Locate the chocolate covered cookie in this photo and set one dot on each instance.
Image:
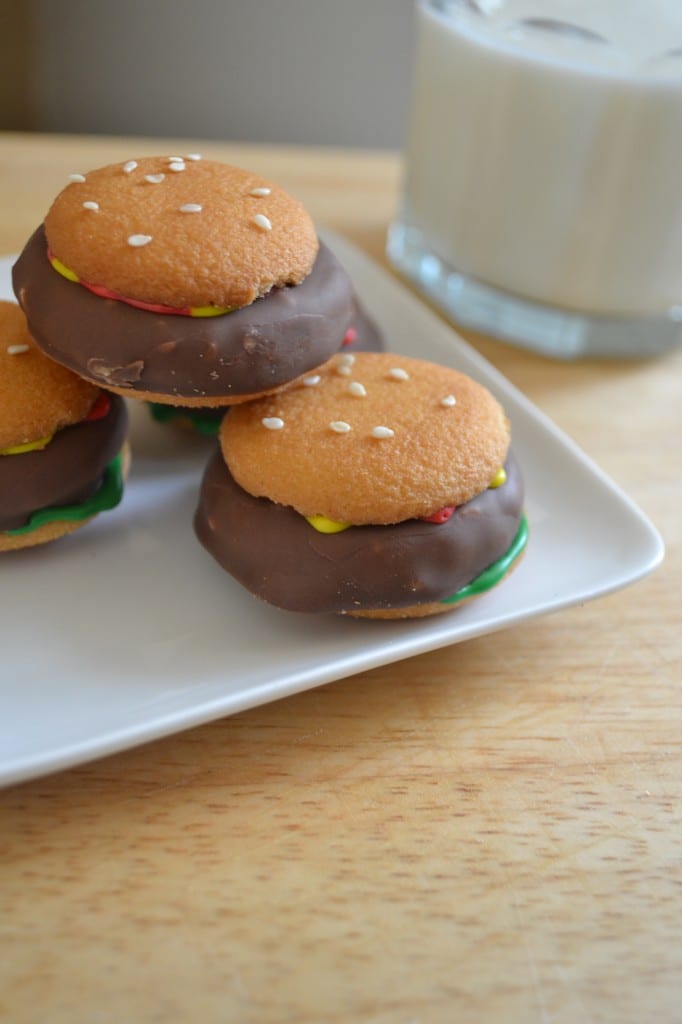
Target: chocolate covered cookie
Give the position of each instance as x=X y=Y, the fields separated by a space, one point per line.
x=182 y=281
x=380 y=486
x=62 y=442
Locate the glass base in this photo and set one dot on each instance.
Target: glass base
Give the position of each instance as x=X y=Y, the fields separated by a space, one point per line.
x=546 y=329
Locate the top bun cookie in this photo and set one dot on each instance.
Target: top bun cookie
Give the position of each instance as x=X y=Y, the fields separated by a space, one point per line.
x=181 y=232
x=374 y=438
x=37 y=396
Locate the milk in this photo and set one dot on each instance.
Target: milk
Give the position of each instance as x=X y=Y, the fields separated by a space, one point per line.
x=545 y=149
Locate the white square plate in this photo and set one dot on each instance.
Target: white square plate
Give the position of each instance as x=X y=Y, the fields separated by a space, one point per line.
x=127 y=630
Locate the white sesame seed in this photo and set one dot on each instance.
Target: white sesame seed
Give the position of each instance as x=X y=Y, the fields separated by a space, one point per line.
x=190 y=208
x=397 y=373
x=176 y=159
x=311 y=382
x=357 y=389
x=77 y=177
x=138 y=240
x=16 y=350
x=448 y=400
x=176 y=167
x=260 y=192
x=272 y=422
x=343 y=370
x=91 y=205
x=339 y=427
x=154 y=179
x=346 y=358
x=194 y=156
x=261 y=221
x=130 y=166
x=382 y=432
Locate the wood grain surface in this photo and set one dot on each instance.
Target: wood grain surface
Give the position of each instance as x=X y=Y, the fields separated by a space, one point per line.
x=490 y=832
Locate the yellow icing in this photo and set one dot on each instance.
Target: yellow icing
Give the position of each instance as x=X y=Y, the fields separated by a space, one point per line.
x=208 y=310
x=62 y=269
x=325 y=525
x=28 y=446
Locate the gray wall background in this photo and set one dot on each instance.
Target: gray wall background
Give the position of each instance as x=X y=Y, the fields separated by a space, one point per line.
x=331 y=72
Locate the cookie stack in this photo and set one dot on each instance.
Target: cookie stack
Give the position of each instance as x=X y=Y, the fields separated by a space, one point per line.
x=63 y=451
x=345 y=480
x=215 y=286
x=380 y=487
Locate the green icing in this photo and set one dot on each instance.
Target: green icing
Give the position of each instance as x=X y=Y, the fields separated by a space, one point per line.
x=108 y=496
x=202 y=423
x=494 y=573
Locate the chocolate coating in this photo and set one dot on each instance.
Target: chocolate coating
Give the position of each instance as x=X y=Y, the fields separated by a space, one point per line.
x=67 y=471
x=277 y=555
x=207 y=419
x=258 y=348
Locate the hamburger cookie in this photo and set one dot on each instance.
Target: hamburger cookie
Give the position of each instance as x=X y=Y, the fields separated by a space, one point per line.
x=182 y=281
x=381 y=486
x=62 y=442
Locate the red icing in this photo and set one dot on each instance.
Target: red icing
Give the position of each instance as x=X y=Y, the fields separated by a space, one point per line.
x=100 y=409
x=350 y=336
x=441 y=516
x=151 y=307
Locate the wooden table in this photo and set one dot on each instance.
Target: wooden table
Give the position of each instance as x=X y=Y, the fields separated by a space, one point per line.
x=490 y=832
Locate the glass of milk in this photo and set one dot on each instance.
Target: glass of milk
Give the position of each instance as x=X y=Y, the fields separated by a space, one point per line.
x=542 y=199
